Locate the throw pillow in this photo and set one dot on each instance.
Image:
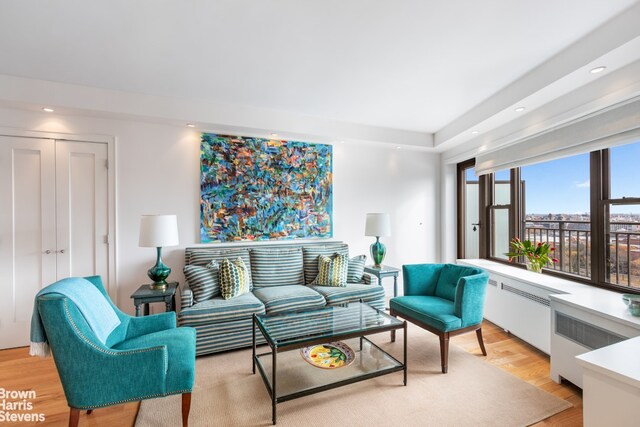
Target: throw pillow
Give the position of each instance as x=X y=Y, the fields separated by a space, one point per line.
x=356 y=268
x=332 y=271
x=234 y=278
x=203 y=281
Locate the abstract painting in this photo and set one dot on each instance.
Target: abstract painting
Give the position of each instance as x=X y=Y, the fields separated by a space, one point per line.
x=264 y=189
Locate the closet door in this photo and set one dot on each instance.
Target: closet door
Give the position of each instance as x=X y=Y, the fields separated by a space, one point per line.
x=27 y=231
x=82 y=209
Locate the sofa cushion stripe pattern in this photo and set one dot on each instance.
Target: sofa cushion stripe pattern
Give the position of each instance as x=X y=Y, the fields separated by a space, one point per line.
x=203 y=281
x=356 y=268
x=186 y=297
x=277 y=299
x=217 y=337
x=218 y=310
x=353 y=292
x=277 y=267
x=202 y=257
x=311 y=255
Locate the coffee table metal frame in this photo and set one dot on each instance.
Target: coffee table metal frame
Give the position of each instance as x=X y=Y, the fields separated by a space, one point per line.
x=314 y=340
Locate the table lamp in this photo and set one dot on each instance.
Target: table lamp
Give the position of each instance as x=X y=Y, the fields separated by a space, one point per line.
x=378 y=225
x=157 y=231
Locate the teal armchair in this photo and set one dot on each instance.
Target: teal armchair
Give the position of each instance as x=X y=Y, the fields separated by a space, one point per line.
x=143 y=358
x=445 y=299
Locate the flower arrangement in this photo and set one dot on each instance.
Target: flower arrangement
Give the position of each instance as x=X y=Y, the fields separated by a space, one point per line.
x=536 y=255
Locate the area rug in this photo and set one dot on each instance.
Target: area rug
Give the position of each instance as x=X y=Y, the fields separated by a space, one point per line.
x=472 y=393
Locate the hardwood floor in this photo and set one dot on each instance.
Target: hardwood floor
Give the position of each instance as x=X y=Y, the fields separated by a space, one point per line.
x=19 y=371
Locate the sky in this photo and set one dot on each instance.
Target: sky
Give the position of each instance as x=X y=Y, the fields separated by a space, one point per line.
x=562 y=185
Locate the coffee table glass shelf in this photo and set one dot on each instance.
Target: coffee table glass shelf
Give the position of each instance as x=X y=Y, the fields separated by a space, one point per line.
x=287 y=333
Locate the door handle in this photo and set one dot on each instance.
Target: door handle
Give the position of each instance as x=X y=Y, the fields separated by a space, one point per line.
x=47 y=252
x=474 y=226
x=61 y=251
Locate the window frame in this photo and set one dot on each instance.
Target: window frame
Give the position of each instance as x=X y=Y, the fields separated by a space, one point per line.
x=600 y=201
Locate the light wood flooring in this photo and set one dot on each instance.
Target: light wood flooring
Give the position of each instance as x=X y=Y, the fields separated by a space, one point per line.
x=19 y=371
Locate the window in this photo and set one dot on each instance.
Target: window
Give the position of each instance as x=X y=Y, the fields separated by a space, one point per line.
x=622 y=217
x=501 y=214
x=586 y=206
x=556 y=206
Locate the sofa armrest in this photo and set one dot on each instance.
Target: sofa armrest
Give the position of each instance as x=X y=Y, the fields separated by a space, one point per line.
x=369 y=279
x=469 y=300
x=186 y=296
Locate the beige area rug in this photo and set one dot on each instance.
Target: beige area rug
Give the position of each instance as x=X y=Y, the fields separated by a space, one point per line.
x=473 y=393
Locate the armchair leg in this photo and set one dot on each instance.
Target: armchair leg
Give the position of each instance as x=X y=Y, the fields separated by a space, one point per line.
x=444 y=351
x=481 y=341
x=186 y=407
x=74 y=417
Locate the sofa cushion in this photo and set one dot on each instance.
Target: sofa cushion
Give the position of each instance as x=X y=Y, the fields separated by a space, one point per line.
x=278 y=299
x=448 y=280
x=203 y=281
x=276 y=267
x=234 y=278
x=353 y=292
x=202 y=257
x=433 y=311
x=356 y=268
x=221 y=310
x=332 y=271
x=311 y=254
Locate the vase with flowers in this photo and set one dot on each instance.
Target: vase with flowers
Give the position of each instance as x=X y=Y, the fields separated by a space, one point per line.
x=535 y=255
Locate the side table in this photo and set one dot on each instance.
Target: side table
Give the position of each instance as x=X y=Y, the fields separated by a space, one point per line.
x=385 y=271
x=145 y=295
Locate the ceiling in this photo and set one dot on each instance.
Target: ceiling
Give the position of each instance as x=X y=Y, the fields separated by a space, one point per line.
x=408 y=65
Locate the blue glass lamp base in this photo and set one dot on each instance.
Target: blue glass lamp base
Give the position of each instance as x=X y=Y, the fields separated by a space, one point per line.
x=378 y=252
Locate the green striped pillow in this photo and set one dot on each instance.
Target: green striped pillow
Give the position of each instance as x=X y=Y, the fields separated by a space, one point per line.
x=311 y=257
x=332 y=271
x=234 y=278
x=356 y=268
x=203 y=281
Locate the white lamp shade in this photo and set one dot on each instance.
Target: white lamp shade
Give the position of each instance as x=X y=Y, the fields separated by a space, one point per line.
x=158 y=231
x=378 y=225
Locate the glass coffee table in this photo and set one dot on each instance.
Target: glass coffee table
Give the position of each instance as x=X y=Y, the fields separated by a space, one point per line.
x=287 y=375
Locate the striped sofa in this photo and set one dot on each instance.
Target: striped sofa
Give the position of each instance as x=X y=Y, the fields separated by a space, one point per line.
x=281 y=276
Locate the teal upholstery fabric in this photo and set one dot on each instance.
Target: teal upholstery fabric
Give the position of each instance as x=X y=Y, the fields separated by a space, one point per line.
x=353 y=292
x=158 y=360
x=278 y=299
x=277 y=267
x=444 y=296
x=433 y=311
x=420 y=279
x=218 y=309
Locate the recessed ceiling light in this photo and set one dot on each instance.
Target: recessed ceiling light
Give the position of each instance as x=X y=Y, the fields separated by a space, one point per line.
x=47 y=109
x=598 y=69
x=519 y=109
x=191 y=125
x=398 y=148
x=274 y=135
x=341 y=142
x=475 y=132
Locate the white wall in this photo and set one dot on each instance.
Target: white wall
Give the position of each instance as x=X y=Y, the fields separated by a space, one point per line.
x=158 y=172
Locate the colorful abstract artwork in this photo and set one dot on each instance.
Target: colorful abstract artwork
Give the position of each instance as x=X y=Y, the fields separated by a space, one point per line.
x=262 y=189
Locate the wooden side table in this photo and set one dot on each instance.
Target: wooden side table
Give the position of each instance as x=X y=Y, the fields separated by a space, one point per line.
x=145 y=295
x=385 y=271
